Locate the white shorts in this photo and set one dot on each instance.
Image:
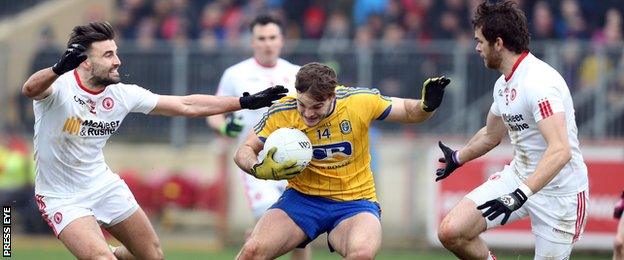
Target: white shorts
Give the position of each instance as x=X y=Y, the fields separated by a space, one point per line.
x=559 y=219
x=109 y=205
x=261 y=194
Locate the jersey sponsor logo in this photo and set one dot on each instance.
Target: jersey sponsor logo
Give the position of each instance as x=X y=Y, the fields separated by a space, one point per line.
x=108 y=103
x=345 y=127
x=72 y=125
x=77 y=126
x=332 y=151
x=89 y=104
x=515 y=122
x=99 y=128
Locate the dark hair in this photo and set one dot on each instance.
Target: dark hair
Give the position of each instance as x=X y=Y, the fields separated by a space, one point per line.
x=90 y=33
x=319 y=80
x=265 y=19
x=505 y=20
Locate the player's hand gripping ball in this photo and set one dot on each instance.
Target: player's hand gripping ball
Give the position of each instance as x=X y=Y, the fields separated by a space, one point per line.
x=286 y=153
x=292 y=144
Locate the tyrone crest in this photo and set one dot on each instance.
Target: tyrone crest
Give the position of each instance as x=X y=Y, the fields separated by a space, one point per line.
x=108 y=103
x=345 y=127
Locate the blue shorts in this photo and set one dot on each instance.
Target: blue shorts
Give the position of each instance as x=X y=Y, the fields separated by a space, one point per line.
x=316 y=215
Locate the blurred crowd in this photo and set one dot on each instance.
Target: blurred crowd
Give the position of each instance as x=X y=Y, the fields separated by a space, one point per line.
x=216 y=22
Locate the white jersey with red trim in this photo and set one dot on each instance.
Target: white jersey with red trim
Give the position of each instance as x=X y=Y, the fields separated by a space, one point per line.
x=535 y=91
x=250 y=76
x=72 y=126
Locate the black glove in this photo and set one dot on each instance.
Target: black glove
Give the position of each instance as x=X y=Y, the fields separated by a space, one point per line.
x=503 y=205
x=450 y=158
x=433 y=92
x=619 y=208
x=232 y=126
x=73 y=56
x=262 y=98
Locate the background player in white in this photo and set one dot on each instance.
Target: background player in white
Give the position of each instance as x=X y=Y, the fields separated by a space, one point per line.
x=547 y=178
x=264 y=69
x=79 y=103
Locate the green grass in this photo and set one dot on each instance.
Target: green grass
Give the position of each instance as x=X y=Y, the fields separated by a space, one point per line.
x=50 y=248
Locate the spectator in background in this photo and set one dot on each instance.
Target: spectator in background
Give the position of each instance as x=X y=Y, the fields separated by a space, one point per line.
x=146 y=33
x=452 y=20
x=393 y=12
x=610 y=36
x=313 y=22
x=210 y=21
x=363 y=9
x=337 y=35
x=571 y=58
x=542 y=27
x=417 y=19
x=572 y=23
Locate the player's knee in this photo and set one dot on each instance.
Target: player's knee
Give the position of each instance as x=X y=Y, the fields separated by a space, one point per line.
x=362 y=254
x=448 y=233
x=252 y=250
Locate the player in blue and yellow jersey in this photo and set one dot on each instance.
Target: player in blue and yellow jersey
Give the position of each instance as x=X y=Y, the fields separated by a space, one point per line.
x=336 y=192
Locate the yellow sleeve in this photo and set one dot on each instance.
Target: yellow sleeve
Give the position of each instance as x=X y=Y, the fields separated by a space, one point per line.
x=372 y=104
x=273 y=119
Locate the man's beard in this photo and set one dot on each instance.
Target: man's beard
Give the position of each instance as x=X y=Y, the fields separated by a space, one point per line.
x=102 y=81
x=494 y=60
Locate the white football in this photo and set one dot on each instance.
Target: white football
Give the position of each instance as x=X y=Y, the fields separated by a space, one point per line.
x=292 y=144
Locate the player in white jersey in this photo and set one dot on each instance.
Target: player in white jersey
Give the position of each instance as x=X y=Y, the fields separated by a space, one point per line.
x=79 y=103
x=547 y=178
x=265 y=68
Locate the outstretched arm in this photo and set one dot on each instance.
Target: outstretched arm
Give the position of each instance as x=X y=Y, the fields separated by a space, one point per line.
x=195 y=105
x=416 y=111
x=484 y=140
x=407 y=111
x=207 y=105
